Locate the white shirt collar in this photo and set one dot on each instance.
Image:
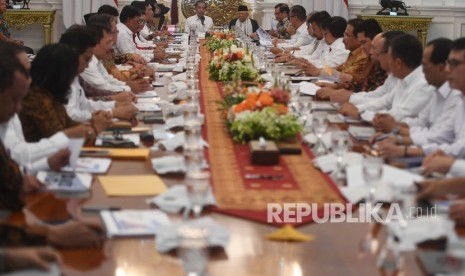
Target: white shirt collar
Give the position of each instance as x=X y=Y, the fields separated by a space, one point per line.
x=414 y=75
x=302 y=28
x=445 y=90
x=3 y=129
x=124 y=28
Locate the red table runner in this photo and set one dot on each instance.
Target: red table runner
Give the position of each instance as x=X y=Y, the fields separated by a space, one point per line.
x=229 y=162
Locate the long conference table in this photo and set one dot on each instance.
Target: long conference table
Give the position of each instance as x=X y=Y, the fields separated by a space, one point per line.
x=334 y=251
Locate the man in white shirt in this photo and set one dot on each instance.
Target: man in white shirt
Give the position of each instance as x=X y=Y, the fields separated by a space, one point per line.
x=199 y=22
x=129 y=26
x=96 y=74
x=79 y=108
x=378 y=52
x=455 y=68
x=411 y=93
x=434 y=123
x=48 y=153
x=314 y=29
x=334 y=54
x=297 y=18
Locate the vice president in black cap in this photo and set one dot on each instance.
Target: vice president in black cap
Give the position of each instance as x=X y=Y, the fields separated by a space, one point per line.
x=244 y=23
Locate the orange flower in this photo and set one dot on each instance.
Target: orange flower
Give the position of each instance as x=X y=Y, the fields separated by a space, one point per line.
x=240 y=107
x=282 y=109
x=252 y=96
x=265 y=99
x=240 y=54
x=251 y=103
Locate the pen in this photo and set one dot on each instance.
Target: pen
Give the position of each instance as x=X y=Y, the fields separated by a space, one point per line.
x=381 y=137
x=98 y=208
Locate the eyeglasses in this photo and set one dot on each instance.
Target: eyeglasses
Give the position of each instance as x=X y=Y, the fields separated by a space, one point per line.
x=454 y=63
x=290 y=16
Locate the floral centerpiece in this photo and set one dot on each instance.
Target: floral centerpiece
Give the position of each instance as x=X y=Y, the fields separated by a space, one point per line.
x=254 y=112
x=220 y=40
x=232 y=63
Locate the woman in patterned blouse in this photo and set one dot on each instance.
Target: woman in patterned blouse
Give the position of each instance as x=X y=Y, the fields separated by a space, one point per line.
x=44 y=114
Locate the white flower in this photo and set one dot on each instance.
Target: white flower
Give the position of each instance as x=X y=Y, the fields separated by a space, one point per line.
x=247 y=59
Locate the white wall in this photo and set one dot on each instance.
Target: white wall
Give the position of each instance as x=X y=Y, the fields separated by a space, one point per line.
x=449 y=16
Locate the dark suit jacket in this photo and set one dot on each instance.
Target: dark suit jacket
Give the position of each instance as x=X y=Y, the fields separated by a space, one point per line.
x=255 y=26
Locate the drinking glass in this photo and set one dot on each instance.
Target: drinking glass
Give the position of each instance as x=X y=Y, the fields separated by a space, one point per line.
x=193 y=155
x=320 y=124
x=390 y=260
x=305 y=105
x=198 y=183
x=340 y=145
x=372 y=173
x=455 y=257
x=193 y=249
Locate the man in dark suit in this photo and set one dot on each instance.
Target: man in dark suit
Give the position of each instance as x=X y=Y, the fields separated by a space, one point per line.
x=244 y=23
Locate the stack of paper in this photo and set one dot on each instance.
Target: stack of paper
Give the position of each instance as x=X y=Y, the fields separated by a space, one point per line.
x=132 y=185
x=357 y=188
x=90 y=165
x=134 y=222
x=133 y=137
x=68 y=182
x=324 y=106
x=147 y=94
x=308 y=88
x=361 y=133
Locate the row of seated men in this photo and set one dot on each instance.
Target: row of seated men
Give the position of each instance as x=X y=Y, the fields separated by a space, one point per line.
x=72 y=89
x=413 y=97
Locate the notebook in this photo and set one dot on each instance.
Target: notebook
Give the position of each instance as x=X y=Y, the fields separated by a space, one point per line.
x=132 y=185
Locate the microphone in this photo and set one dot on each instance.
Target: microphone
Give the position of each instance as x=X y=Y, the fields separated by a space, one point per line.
x=202 y=19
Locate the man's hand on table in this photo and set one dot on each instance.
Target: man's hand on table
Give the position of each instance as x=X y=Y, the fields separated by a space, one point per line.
x=384 y=122
x=348 y=109
x=325 y=93
x=139 y=85
x=75 y=234
x=123 y=98
x=342 y=96
x=439 y=163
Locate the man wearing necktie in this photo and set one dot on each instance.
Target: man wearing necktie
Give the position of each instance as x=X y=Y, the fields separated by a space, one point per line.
x=199 y=22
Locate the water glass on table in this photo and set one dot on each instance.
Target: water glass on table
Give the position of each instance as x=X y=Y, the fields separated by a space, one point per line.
x=340 y=145
x=320 y=124
x=197 y=183
x=193 y=249
x=372 y=173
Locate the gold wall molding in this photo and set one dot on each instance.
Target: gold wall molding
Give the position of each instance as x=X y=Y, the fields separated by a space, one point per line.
x=420 y=24
x=20 y=19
